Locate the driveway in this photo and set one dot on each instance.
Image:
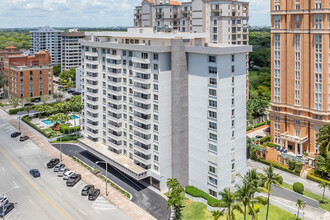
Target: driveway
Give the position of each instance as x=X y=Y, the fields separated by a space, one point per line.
x=144 y=197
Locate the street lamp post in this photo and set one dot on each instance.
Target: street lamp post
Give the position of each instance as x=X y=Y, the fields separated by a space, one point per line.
x=106 y=176
x=3 y=201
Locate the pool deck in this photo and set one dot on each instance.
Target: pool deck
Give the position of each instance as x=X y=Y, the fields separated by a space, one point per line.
x=38 y=122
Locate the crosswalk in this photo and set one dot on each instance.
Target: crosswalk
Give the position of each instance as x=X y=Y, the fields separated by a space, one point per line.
x=102 y=204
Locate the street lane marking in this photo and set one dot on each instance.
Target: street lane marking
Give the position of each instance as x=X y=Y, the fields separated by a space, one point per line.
x=82 y=211
x=3 y=168
x=58 y=192
x=32 y=202
x=34 y=186
x=15 y=184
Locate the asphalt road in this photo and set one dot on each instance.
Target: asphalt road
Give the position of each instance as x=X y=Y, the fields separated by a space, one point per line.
x=46 y=197
x=293 y=196
x=144 y=197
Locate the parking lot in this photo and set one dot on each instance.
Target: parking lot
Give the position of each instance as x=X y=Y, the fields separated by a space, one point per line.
x=45 y=197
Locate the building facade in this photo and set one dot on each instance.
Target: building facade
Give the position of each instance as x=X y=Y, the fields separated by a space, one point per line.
x=300 y=98
x=169 y=105
x=29 y=76
x=11 y=50
x=71 y=49
x=47 y=38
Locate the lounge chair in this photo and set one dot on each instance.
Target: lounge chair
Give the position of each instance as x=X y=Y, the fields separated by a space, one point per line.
x=282 y=150
x=286 y=151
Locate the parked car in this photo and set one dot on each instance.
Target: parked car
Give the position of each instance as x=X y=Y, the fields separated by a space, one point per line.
x=76 y=93
x=3 y=200
x=67 y=174
x=53 y=162
x=15 y=134
x=75 y=178
x=70 y=91
x=87 y=189
x=35 y=173
x=258 y=136
x=7 y=208
x=24 y=138
x=93 y=194
x=58 y=167
x=28 y=104
x=267 y=129
x=61 y=172
x=36 y=100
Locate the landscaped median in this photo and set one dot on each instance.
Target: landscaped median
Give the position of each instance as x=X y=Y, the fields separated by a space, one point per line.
x=121 y=190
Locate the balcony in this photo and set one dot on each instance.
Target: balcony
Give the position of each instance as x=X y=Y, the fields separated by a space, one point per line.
x=140 y=60
x=146 y=159
x=114 y=57
x=140 y=70
x=114 y=65
x=92 y=54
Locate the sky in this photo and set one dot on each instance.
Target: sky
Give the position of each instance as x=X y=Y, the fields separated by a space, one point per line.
x=91 y=13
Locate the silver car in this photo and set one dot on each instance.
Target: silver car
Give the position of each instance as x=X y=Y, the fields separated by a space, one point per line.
x=61 y=172
x=58 y=167
x=67 y=174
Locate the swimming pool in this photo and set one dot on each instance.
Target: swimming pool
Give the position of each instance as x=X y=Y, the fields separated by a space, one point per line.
x=47 y=122
x=74 y=117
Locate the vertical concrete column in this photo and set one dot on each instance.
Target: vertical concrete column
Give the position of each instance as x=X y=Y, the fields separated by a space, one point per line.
x=301 y=148
x=286 y=144
x=295 y=148
x=179 y=114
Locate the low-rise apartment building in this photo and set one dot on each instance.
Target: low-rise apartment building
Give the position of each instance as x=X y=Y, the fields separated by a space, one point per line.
x=71 y=49
x=166 y=105
x=29 y=76
x=10 y=50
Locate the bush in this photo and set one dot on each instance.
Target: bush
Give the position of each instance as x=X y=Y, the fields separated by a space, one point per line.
x=195 y=192
x=317 y=179
x=278 y=166
x=256 y=209
x=298 y=187
x=265 y=139
x=14 y=111
x=27 y=121
x=298 y=167
x=68 y=130
x=291 y=165
x=280 y=180
x=256 y=126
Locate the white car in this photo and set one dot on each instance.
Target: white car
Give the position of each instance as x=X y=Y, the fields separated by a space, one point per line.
x=67 y=175
x=61 y=172
x=3 y=200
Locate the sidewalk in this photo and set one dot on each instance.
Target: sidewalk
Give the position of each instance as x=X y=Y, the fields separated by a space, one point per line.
x=115 y=197
x=289 y=178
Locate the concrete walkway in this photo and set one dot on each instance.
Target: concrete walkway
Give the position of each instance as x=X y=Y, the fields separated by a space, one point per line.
x=289 y=178
x=114 y=196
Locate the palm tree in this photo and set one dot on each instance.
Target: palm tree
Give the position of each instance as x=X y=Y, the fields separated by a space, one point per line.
x=229 y=201
x=44 y=98
x=28 y=109
x=301 y=205
x=269 y=179
x=14 y=102
x=217 y=214
x=324 y=186
x=323 y=139
x=175 y=197
x=41 y=109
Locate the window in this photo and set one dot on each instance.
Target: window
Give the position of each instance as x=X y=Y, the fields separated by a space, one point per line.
x=155 y=168
x=297 y=133
x=232 y=58
x=155 y=137
x=212 y=125
x=155 y=76
x=156 y=127
x=156 y=117
x=156 y=97
x=212 y=193
x=212 y=92
x=212 y=147
x=232 y=112
x=297 y=21
x=155 y=107
x=155 y=158
x=213 y=81
x=155 y=87
x=232 y=123
x=155 y=56
x=213 y=181
x=212 y=59
x=156 y=147
x=277 y=21
x=213 y=103
x=232 y=79
x=213 y=70
x=318 y=21
x=232 y=101
x=156 y=67
x=233 y=166
x=297 y=122
x=212 y=114
x=213 y=136
x=212 y=169
x=233 y=69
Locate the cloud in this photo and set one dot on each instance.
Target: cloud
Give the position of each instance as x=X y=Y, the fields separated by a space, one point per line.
x=88 y=13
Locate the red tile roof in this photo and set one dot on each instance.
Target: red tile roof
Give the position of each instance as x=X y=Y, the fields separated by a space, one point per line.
x=175 y=3
x=11 y=47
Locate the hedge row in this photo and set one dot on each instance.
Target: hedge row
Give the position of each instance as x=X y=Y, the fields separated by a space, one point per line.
x=15 y=111
x=195 y=192
x=278 y=166
x=69 y=130
x=27 y=121
x=258 y=125
x=318 y=179
x=69 y=138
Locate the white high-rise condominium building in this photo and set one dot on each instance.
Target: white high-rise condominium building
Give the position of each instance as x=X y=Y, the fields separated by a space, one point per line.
x=225 y=20
x=71 y=49
x=47 y=38
x=166 y=105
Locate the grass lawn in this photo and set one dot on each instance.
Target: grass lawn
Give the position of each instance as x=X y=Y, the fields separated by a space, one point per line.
x=325 y=206
x=197 y=210
x=56 y=133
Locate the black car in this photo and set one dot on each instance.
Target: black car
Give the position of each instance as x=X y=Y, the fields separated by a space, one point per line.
x=24 y=138
x=75 y=178
x=28 y=104
x=35 y=173
x=70 y=91
x=93 y=194
x=53 y=162
x=6 y=209
x=87 y=189
x=15 y=134
x=37 y=100
x=259 y=136
x=76 y=93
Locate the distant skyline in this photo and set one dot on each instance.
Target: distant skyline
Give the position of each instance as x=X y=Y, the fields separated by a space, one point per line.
x=91 y=13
